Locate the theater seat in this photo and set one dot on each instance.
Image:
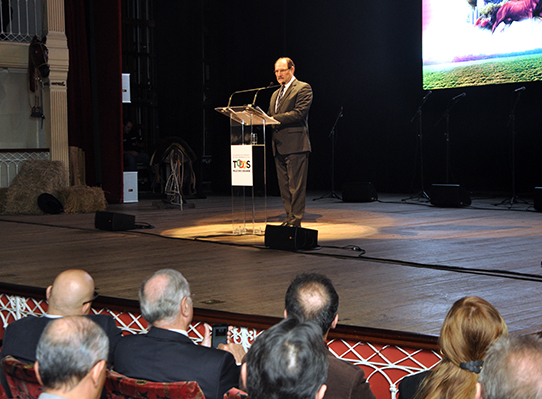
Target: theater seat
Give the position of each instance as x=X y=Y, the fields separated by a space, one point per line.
x=235 y=393
x=119 y=386
x=21 y=378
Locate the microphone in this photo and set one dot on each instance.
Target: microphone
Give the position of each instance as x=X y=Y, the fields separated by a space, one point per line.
x=251 y=90
x=427 y=95
x=341 y=112
x=459 y=96
x=520 y=89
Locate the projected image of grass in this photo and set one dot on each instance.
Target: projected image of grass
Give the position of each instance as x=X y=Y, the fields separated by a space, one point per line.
x=517 y=69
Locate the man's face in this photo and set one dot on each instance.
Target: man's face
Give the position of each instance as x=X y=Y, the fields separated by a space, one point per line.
x=283 y=74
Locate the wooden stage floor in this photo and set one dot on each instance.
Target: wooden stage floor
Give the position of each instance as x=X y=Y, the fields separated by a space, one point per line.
x=419 y=258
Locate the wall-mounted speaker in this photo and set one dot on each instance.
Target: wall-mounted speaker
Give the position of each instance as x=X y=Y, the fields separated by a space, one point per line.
x=449 y=195
x=359 y=192
x=114 y=221
x=290 y=238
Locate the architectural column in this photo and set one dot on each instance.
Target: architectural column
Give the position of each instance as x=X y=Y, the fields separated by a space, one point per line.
x=55 y=87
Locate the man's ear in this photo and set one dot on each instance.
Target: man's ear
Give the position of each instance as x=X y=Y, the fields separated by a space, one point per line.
x=335 y=321
x=37 y=371
x=96 y=372
x=48 y=292
x=185 y=306
x=86 y=308
x=285 y=314
x=321 y=392
x=478 y=394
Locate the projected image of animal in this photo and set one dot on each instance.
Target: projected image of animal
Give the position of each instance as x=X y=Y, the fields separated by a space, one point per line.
x=493 y=14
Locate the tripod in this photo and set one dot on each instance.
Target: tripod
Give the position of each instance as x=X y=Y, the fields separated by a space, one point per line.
x=514 y=199
x=422 y=193
x=332 y=136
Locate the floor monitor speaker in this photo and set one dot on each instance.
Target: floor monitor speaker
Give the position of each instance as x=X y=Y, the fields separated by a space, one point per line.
x=538 y=198
x=449 y=195
x=359 y=192
x=114 y=221
x=290 y=238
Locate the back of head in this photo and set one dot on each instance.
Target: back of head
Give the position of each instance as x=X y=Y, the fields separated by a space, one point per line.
x=70 y=290
x=312 y=297
x=161 y=294
x=68 y=348
x=287 y=361
x=513 y=369
x=470 y=326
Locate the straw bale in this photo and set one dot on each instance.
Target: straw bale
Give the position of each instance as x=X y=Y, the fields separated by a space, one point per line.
x=34 y=178
x=3 y=194
x=82 y=199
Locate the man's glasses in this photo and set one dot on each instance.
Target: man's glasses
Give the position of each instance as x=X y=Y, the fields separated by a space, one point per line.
x=96 y=295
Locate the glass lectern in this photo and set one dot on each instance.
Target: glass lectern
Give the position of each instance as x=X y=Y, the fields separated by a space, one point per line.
x=248 y=167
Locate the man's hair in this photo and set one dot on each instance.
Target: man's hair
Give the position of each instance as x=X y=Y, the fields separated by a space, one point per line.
x=287 y=361
x=68 y=349
x=311 y=296
x=288 y=60
x=513 y=369
x=162 y=301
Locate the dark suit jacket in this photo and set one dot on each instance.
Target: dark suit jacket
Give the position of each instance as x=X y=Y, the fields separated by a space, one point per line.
x=167 y=356
x=21 y=336
x=346 y=381
x=292 y=135
x=410 y=384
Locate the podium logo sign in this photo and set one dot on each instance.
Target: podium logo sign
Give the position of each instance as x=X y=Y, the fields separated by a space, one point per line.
x=241 y=165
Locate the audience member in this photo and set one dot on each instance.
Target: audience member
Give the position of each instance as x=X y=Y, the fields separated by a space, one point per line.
x=512 y=369
x=166 y=353
x=72 y=359
x=71 y=294
x=470 y=326
x=312 y=297
x=287 y=361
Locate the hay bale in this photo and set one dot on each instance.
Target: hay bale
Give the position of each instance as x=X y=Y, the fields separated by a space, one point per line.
x=82 y=199
x=3 y=194
x=34 y=178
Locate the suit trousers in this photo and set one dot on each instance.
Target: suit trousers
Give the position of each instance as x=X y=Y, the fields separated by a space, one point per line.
x=292 y=170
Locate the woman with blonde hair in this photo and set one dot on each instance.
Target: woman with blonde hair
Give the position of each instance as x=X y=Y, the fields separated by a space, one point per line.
x=470 y=326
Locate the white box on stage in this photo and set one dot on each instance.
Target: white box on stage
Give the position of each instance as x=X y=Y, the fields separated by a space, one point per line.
x=130 y=187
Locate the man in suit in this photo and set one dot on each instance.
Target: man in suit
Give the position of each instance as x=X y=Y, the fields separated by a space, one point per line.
x=512 y=369
x=312 y=297
x=291 y=145
x=166 y=353
x=289 y=360
x=71 y=294
x=72 y=359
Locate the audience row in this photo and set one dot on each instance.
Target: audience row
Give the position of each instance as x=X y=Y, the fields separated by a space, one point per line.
x=70 y=348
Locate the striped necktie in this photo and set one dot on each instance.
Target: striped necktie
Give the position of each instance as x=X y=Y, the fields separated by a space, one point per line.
x=279 y=99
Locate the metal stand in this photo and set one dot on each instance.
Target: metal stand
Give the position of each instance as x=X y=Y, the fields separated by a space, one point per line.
x=514 y=199
x=422 y=193
x=332 y=136
x=446 y=116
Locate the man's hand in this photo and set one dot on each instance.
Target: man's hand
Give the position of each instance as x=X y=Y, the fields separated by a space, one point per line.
x=207 y=340
x=236 y=350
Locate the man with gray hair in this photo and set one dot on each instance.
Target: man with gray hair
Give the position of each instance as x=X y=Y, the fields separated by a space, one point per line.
x=512 y=369
x=166 y=353
x=72 y=359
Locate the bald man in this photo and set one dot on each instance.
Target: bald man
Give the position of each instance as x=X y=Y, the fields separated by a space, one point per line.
x=71 y=294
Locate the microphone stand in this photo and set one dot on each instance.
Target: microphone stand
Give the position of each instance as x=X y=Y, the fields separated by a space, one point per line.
x=512 y=123
x=446 y=115
x=271 y=86
x=332 y=136
x=422 y=193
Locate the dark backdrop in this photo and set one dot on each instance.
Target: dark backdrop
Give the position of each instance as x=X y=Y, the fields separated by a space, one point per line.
x=362 y=55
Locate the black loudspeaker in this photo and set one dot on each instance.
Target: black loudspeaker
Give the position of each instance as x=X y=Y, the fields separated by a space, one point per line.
x=538 y=198
x=359 y=192
x=114 y=221
x=290 y=238
x=449 y=195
